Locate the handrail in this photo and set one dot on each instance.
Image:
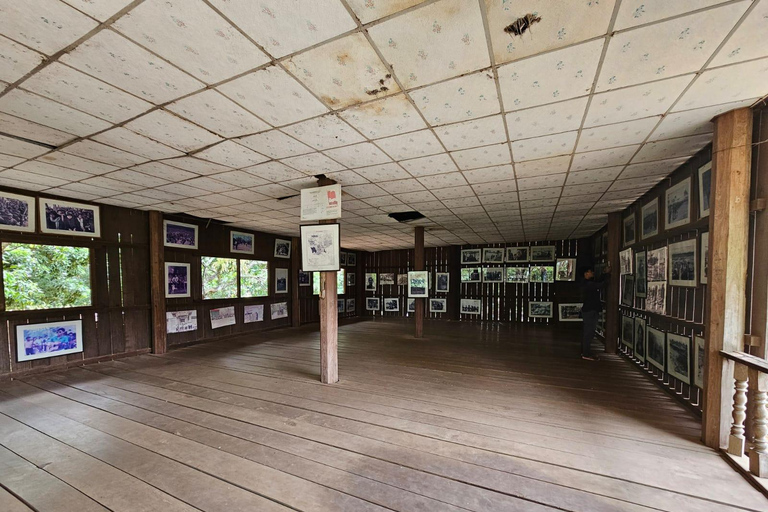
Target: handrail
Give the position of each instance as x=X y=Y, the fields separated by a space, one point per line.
x=748 y=360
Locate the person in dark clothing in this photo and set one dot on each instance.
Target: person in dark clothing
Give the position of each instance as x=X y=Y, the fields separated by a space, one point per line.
x=590 y=311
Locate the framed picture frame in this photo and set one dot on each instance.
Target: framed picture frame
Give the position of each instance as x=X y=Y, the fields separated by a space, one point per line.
x=679 y=357
x=656 y=298
x=655 y=347
x=493 y=255
x=699 y=354
x=641 y=277
x=69 y=218
x=442 y=282
x=320 y=247
x=540 y=309
x=343 y=259
x=19 y=213
x=704 y=258
x=438 y=305
x=517 y=274
x=629 y=229
x=628 y=331
x=372 y=304
x=418 y=284
x=625 y=262
x=493 y=275
x=179 y=235
x=402 y=279
x=678 y=204
x=387 y=279
x=283 y=249
x=705 y=189
x=278 y=310
x=471 y=256
x=177 y=280
x=565 y=269
x=222 y=317
x=570 y=312
x=656 y=265
x=649 y=219
x=241 y=242
x=543 y=253
x=180 y=321
x=470 y=306
x=281 y=280
x=350 y=305
x=639 y=348
x=391 y=304
x=370 y=282
x=411 y=305
x=305 y=278
x=519 y=254
x=351 y=259
x=470 y=275
x=628 y=290
x=683 y=263
x=541 y=274
x=340 y=303
x=50 y=339
x=351 y=279
x=253 y=313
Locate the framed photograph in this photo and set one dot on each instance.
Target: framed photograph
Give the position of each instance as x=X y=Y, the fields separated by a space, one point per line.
x=625 y=262
x=493 y=255
x=640 y=274
x=540 y=309
x=411 y=305
x=678 y=204
x=278 y=310
x=493 y=275
x=402 y=279
x=372 y=304
x=176 y=280
x=320 y=247
x=253 y=313
x=40 y=341
x=543 y=253
x=541 y=274
x=517 y=274
x=391 y=304
x=438 y=305
x=698 y=362
x=470 y=256
x=570 y=312
x=470 y=275
x=180 y=321
x=343 y=259
x=629 y=230
x=565 y=269
x=241 y=243
x=283 y=249
x=179 y=235
x=655 y=347
x=351 y=259
x=351 y=279
x=442 y=281
x=17 y=213
x=650 y=219
x=340 y=305
x=683 y=263
x=68 y=218
x=628 y=331
x=470 y=306
x=305 y=278
x=628 y=290
x=656 y=299
x=281 y=280
x=517 y=254
x=679 y=357
x=370 y=282
x=656 y=261
x=350 y=305
x=705 y=189
x=222 y=317
x=639 y=347
x=387 y=279
x=704 y=266
x=418 y=283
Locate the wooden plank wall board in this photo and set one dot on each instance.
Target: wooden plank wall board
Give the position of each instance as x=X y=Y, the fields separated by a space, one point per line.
x=309 y=302
x=757 y=299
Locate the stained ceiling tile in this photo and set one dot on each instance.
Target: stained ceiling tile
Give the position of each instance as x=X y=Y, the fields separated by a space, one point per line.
x=313 y=163
x=9 y=161
x=173 y=131
x=553 y=180
x=349 y=177
x=436 y=181
x=543 y=147
x=411 y=145
x=232 y=155
x=343 y=72
x=76 y=163
x=109 y=183
x=727 y=84
x=473 y=133
x=49 y=113
x=613 y=135
x=489 y=174
x=102 y=10
x=324 y=132
x=216 y=112
x=19 y=148
x=21 y=179
x=42 y=25
x=532 y=168
x=382 y=118
x=210 y=184
x=53 y=171
x=663 y=167
x=482 y=157
x=13 y=125
x=137 y=178
x=102 y=153
x=603 y=158
x=639 y=12
x=241 y=179
x=86 y=191
x=117 y=61
x=182 y=190
x=593 y=175
x=193 y=37
x=358 y=155
x=196 y=165
x=275 y=144
x=301 y=183
x=671 y=148
x=132 y=142
x=370 y=10
x=741 y=45
x=459 y=99
x=548 y=119
x=365 y=191
x=384 y=172
x=693 y=122
x=16 y=60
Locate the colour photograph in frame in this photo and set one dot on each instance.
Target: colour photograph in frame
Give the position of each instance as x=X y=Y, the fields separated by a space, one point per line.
x=51 y=339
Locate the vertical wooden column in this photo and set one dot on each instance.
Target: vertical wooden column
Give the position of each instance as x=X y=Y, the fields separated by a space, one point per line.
x=157 y=282
x=329 y=326
x=418 y=264
x=612 y=298
x=454 y=284
x=759 y=302
x=728 y=245
x=294 y=280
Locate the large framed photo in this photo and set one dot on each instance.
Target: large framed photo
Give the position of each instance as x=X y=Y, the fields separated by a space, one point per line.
x=418 y=282
x=678 y=204
x=655 y=347
x=656 y=299
x=283 y=249
x=517 y=274
x=17 y=213
x=370 y=282
x=625 y=262
x=679 y=357
x=391 y=304
x=278 y=310
x=698 y=362
x=438 y=305
x=570 y=312
x=372 y=304
x=281 y=280
x=628 y=290
x=705 y=189
x=470 y=306
x=704 y=266
x=543 y=253
x=493 y=255
x=179 y=235
x=320 y=248
x=641 y=280
x=222 y=317
x=517 y=254
x=470 y=275
x=176 y=280
x=493 y=275
x=442 y=281
x=541 y=274
x=565 y=269
x=629 y=230
x=628 y=331
x=470 y=256
x=683 y=263
x=65 y=217
x=656 y=262
x=241 y=243
x=650 y=219
x=386 y=279
x=640 y=338
x=40 y=341
x=540 y=309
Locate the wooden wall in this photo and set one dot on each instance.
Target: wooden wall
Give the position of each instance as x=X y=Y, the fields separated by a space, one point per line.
x=309 y=304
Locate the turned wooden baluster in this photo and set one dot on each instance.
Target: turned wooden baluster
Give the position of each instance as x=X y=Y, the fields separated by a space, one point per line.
x=758 y=455
x=736 y=439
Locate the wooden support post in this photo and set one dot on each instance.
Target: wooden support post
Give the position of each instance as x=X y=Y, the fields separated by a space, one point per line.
x=612 y=292
x=418 y=264
x=294 y=280
x=329 y=326
x=454 y=285
x=157 y=282
x=736 y=438
x=728 y=245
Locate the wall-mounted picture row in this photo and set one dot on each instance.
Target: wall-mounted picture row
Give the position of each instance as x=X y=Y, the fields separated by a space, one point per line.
x=186 y=321
x=563 y=270
x=17 y=213
x=678 y=264
x=373 y=280
x=522 y=254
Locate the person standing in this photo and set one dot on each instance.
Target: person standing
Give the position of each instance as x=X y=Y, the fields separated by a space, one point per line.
x=591 y=308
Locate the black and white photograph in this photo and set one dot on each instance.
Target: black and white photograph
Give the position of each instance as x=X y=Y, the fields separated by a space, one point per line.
x=629 y=230
x=351 y=279
x=628 y=290
x=705 y=189
x=442 y=280
x=418 y=282
x=391 y=304
x=438 y=305
x=570 y=312
x=176 y=280
x=698 y=362
x=656 y=265
x=640 y=339
x=350 y=305
x=683 y=263
x=387 y=279
x=470 y=256
x=542 y=253
x=628 y=331
x=283 y=248
x=241 y=243
x=305 y=278
x=493 y=255
x=179 y=235
x=679 y=357
x=541 y=274
x=493 y=275
x=625 y=262
x=278 y=310
x=40 y=341
x=678 y=204
x=222 y=317
x=640 y=274
x=17 y=213
x=181 y=321
x=540 y=309
x=565 y=269
x=320 y=247
x=64 y=217
x=517 y=274
x=372 y=304
x=351 y=259
x=340 y=306
x=281 y=280
x=411 y=305
x=343 y=259
x=650 y=219
x=470 y=275
x=656 y=298
x=655 y=347
x=704 y=265
x=470 y=306
x=253 y=313
x=370 y=282
x=517 y=254
x=402 y=279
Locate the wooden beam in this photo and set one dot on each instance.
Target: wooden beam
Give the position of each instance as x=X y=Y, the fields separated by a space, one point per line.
x=728 y=246
x=418 y=264
x=294 y=280
x=759 y=299
x=329 y=326
x=612 y=291
x=157 y=282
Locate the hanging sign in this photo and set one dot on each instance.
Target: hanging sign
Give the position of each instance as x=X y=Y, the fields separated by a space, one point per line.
x=321 y=203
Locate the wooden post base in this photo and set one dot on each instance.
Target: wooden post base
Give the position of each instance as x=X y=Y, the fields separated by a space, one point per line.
x=758 y=464
x=736 y=446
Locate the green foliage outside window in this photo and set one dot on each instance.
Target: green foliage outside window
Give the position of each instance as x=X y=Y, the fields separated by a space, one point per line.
x=254 y=278
x=340 y=282
x=316 y=283
x=219 y=276
x=46 y=276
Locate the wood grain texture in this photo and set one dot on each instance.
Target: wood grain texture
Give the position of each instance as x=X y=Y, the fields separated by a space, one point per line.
x=419 y=264
x=612 y=302
x=157 y=282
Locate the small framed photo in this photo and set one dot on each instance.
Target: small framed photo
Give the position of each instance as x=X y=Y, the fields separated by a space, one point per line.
x=655 y=347
x=625 y=262
x=628 y=331
x=442 y=281
x=705 y=189
x=656 y=265
x=370 y=282
x=402 y=279
x=683 y=263
x=470 y=256
x=470 y=275
x=351 y=279
x=471 y=306
x=679 y=357
x=40 y=341
x=678 y=204
x=281 y=280
x=565 y=269
x=698 y=361
x=391 y=304
x=180 y=321
x=541 y=253
x=539 y=309
x=628 y=290
x=418 y=284
x=493 y=275
x=179 y=235
x=387 y=279
x=253 y=313
x=517 y=274
x=570 y=312
x=283 y=249
x=305 y=278
x=351 y=259
x=704 y=257
x=278 y=310
x=656 y=300
x=517 y=254
x=541 y=274
x=629 y=230
x=639 y=348
x=650 y=219
x=493 y=255
x=176 y=280
x=222 y=317
x=372 y=304
x=17 y=213
x=641 y=276
x=343 y=259
x=241 y=243
x=438 y=305
x=68 y=218
x=340 y=305
x=320 y=247
x=350 y=305
x=411 y=305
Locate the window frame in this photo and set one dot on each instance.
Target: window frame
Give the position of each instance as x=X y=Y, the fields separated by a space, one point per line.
x=239 y=260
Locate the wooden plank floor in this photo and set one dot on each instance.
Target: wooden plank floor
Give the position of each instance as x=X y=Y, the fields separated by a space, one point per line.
x=479 y=418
